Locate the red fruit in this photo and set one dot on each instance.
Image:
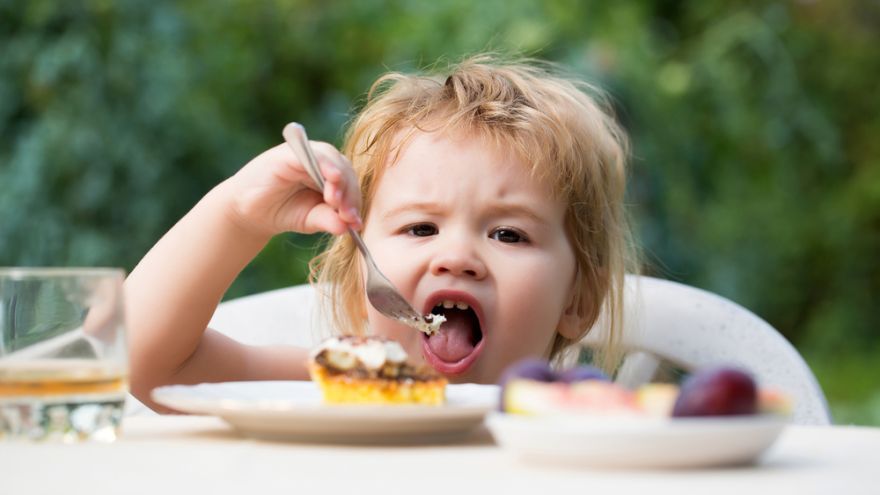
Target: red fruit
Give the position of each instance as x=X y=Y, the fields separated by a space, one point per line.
x=722 y=391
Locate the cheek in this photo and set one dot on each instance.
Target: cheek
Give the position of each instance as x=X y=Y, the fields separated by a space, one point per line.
x=388 y=253
x=536 y=299
x=534 y=306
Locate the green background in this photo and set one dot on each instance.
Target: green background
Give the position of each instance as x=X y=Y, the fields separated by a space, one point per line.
x=756 y=158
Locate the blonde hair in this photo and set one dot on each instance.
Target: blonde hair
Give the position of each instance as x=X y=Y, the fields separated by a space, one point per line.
x=560 y=126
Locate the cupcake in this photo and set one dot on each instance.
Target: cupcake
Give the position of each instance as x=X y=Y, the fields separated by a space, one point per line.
x=372 y=370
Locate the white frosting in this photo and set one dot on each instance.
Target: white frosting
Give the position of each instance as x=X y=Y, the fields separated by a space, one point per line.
x=372 y=354
x=423 y=326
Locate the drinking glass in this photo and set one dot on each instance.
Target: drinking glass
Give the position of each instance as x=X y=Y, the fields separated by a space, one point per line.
x=63 y=354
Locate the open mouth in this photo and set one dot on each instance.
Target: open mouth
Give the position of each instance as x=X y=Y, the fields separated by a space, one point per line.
x=456 y=345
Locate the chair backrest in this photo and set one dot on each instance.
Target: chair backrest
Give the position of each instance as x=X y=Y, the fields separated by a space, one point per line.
x=278 y=317
x=664 y=320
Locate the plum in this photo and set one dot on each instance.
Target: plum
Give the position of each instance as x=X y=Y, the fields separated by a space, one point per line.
x=582 y=373
x=718 y=391
x=530 y=369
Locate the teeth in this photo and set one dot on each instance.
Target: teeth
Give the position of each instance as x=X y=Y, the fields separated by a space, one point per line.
x=447 y=304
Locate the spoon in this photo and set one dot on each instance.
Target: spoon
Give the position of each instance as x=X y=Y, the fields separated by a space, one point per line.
x=380 y=291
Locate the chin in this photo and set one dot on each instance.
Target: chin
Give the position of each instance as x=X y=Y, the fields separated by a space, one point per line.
x=475 y=373
x=468 y=378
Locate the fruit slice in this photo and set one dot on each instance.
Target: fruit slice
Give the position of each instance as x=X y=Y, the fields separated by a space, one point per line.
x=774 y=401
x=600 y=397
x=532 y=397
x=587 y=397
x=657 y=399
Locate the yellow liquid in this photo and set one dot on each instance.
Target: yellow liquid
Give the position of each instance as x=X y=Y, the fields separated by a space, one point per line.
x=68 y=377
x=66 y=400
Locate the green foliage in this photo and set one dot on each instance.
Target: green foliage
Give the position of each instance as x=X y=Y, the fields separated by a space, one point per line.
x=756 y=170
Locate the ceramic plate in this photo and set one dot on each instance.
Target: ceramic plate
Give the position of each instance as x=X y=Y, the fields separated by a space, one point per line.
x=294 y=410
x=637 y=442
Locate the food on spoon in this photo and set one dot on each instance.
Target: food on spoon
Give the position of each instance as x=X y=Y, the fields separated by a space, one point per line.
x=429 y=324
x=372 y=370
x=719 y=391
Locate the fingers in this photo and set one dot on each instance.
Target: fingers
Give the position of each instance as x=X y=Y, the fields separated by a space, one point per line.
x=341 y=190
x=324 y=218
x=340 y=198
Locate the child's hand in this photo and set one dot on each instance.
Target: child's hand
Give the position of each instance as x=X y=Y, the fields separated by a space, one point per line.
x=274 y=194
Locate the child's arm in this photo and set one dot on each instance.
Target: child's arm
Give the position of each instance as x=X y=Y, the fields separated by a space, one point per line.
x=173 y=292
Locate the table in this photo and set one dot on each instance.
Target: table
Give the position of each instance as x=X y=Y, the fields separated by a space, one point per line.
x=201 y=454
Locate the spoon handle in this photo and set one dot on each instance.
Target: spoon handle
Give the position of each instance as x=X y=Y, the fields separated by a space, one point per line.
x=295 y=135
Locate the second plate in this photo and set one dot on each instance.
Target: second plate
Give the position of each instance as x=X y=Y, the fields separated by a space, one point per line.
x=637 y=442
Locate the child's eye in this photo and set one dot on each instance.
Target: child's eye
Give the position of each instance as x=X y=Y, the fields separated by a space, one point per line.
x=507 y=234
x=422 y=230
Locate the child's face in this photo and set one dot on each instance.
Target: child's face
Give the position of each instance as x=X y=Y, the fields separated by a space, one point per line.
x=454 y=220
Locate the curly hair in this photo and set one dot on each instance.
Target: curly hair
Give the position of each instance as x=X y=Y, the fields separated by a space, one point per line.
x=561 y=127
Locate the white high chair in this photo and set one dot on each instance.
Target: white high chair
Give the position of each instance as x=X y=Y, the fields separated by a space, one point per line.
x=665 y=320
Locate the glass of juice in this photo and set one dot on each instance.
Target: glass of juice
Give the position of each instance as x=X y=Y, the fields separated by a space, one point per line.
x=63 y=354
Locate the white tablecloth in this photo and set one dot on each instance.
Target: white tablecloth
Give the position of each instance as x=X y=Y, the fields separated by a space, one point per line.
x=196 y=454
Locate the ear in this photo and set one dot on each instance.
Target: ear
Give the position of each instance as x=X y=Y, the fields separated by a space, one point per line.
x=573 y=322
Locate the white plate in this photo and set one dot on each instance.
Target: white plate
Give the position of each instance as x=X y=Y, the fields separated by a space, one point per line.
x=637 y=442
x=293 y=410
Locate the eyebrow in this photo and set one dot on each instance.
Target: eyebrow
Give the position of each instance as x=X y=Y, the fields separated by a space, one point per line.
x=512 y=209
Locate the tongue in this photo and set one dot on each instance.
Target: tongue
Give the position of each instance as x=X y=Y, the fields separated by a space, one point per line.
x=453 y=341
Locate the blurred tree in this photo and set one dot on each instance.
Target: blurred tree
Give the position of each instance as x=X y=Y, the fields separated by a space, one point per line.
x=755 y=171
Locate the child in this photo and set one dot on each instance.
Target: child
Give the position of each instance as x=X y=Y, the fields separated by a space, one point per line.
x=495 y=193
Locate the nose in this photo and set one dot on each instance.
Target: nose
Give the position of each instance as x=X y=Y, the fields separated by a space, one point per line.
x=459 y=258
